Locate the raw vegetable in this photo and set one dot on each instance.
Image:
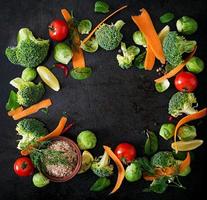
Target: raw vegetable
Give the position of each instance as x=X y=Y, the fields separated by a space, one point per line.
x=181 y=103
x=186 y=25
x=151 y=144
x=185 y=163
x=11 y=113
x=139 y=39
x=100 y=184
x=125 y=152
x=109 y=36
x=62 y=53
x=12 y=103
x=63 y=67
x=101 y=166
x=163 y=86
x=185 y=172
x=29 y=52
x=58 y=30
x=146 y=166
x=81 y=73
x=187 y=132
x=159 y=185
x=101 y=7
x=39 y=180
x=87 y=159
x=121 y=171
x=129 y=55
x=167 y=17
x=186 y=145
x=23 y=167
x=167 y=130
x=174 y=46
x=144 y=23
x=90 y=46
x=149 y=59
x=67 y=16
x=30 y=130
x=67 y=128
x=186 y=82
x=28 y=93
x=139 y=60
x=86 y=140
x=48 y=77
x=133 y=171
x=32 y=109
x=105 y=19
x=29 y=74
x=195 y=65
x=84 y=27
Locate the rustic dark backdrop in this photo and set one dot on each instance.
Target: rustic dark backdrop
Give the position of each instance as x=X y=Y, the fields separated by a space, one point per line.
x=116 y=104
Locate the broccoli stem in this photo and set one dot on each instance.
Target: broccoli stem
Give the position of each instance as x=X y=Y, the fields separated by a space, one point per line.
x=188 y=47
x=190 y=111
x=104 y=160
x=119 y=24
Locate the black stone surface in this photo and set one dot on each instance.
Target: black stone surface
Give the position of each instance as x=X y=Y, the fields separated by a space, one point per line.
x=116 y=104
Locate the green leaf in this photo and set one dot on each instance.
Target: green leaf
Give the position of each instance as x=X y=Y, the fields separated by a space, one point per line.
x=167 y=17
x=81 y=73
x=151 y=144
x=159 y=185
x=146 y=166
x=139 y=60
x=12 y=101
x=101 y=7
x=100 y=184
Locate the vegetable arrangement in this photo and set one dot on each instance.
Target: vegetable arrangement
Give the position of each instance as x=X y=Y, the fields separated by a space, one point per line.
x=161 y=168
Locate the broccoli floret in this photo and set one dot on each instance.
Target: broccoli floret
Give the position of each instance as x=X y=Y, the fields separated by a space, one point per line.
x=163 y=159
x=29 y=52
x=175 y=46
x=30 y=130
x=109 y=36
x=28 y=93
x=180 y=103
x=102 y=167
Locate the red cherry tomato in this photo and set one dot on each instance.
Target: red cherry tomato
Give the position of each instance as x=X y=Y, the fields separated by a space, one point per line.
x=126 y=152
x=23 y=166
x=186 y=82
x=58 y=30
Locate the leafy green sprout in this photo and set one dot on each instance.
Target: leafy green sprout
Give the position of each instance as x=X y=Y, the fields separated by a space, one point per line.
x=100 y=184
x=133 y=171
x=167 y=17
x=90 y=46
x=39 y=180
x=29 y=74
x=101 y=7
x=195 y=65
x=139 y=38
x=139 y=60
x=84 y=27
x=187 y=132
x=167 y=131
x=163 y=86
x=12 y=101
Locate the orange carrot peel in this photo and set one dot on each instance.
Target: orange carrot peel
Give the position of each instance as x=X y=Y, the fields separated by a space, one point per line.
x=185 y=163
x=120 y=167
x=149 y=59
x=14 y=112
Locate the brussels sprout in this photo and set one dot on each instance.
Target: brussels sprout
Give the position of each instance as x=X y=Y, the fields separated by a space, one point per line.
x=167 y=17
x=29 y=74
x=86 y=140
x=139 y=39
x=163 y=86
x=133 y=172
x=39 y=180
x=101 y=7
x=81 y=73
x=195 y=65
x=101 y=184
x=84 y=27
x=186 y=25
x=62 y=53
x=167 y=130
x=90 y=46
x=139 y=60
x=187 y=132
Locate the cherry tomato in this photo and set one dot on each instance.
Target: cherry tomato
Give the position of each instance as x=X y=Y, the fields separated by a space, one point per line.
x=58 y=30
x=126 y=152
x=186 y=82
x=23 y=166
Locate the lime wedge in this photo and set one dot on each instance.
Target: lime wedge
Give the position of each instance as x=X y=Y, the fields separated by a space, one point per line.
x=87 y=159
x=163 y=33
x=186 y=145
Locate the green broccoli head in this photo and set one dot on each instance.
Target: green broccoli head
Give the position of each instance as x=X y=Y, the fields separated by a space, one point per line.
x=182 y=102
x=30 y=129
x=174 y=46
x=28 y=93
x=163 y=159
x=109 y=36
x=102 y=167
x=29 y=52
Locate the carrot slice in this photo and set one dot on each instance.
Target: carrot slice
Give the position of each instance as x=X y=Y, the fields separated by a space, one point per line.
x=200 y=114
x=66 y=14
x=94 y=30
x=149 y=59
x=78 y=58
x=17 y=110
x=144 y=23
x=174 y=71
x=185 y=163
x=120 y=167
x=33 y=109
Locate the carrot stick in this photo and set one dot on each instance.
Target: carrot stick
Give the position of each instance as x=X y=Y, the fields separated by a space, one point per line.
x=185 y=163
x=144 y=23
x=174 y=71
x=66 y=14
x=55 y=133
x=121 y=170
x=200 y=114
x=94 y=30
x=32 y=109
x=17 y=110
x=149 y=59
x=78 y=58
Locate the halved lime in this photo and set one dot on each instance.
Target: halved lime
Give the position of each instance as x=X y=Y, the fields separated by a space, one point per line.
x=87 y=159
x=186 y=145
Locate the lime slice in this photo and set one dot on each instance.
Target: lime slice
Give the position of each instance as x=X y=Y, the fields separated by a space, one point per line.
x=163 y=33
x=87 y=159
x=186 y=145
x=48 y=78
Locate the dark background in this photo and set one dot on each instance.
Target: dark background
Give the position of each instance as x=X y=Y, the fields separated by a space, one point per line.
x=116 y=104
